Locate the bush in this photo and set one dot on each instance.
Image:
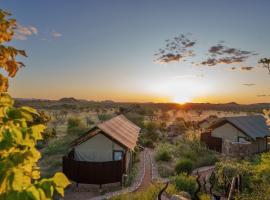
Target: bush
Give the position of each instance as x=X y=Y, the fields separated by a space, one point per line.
x=205 y=197
x=184 y=165
x=186 y=183
x=104 y=117
x=74 y=122
x=165 y=170
x=146 y=142
x=206 y=160
x=163 y=153
x=163 y=156
x=148 y=193
x=152 y=131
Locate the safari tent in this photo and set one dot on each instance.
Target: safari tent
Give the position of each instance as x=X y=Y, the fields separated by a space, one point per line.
x=104 y=153
x=249 y=133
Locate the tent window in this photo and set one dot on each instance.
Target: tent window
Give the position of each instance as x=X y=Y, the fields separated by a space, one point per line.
x=117 y=155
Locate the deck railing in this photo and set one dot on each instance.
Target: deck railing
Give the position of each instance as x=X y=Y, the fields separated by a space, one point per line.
x=211 y=142
x=93 y=172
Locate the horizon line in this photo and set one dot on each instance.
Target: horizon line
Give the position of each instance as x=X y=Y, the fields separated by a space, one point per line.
x=136 y=102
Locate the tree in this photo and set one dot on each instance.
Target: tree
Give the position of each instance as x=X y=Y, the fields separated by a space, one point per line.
x=19 y=133
x=265 y=63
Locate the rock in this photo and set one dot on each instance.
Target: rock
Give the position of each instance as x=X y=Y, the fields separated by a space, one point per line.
x=185 y=195
x=179 y=197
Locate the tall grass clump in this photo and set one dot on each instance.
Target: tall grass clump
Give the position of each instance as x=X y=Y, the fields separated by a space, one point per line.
x=75 y=126
x=186 y=183
x=150 y=193
x=164 y=153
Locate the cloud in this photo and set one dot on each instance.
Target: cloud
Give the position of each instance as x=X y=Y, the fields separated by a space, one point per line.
x=247 y=68
x=249 y=84
x=221 y=54
x=56 y=34
x=169 y=58
x=22 y=32
x=175 y=50
x=188 y=76
x=263 y=95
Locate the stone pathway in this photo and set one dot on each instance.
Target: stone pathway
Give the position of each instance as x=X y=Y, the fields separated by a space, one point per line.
x=147 y=178
x=155 y=175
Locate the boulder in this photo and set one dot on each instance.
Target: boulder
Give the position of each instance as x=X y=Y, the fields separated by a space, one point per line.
x=179 y=197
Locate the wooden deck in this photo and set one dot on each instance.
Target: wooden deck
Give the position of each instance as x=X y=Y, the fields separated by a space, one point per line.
x=93 y=172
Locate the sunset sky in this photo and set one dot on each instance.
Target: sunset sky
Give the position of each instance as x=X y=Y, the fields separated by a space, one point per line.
x=104 y=49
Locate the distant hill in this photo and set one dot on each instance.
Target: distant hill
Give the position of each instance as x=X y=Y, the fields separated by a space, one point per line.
x=68 y=100
x=73 y=103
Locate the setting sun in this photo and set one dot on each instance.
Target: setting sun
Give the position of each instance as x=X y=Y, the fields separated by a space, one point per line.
x=181 y=99
x=181 y=89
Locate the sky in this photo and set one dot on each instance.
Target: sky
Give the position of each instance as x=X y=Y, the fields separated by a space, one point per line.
x=105 y=50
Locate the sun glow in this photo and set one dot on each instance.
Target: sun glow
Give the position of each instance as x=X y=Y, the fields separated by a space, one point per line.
x=180 y=89
x=181 y=100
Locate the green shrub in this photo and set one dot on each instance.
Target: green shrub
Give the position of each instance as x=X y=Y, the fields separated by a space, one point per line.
x=184 y=165
x=146 y=142
x=186 y=183
x=57 y=146
x=149 y=193
x=204 y=196
x=165 y=170
x=74 y=122
x=163 y=156
x=207 y=159
x=164 y=153
x=190 y=154
x=151 y=133
x=104 y=117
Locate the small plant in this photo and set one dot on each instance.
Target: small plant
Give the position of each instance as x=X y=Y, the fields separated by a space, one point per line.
x=74 y=122
x=104 y=117
x=165 y=171
x=163 y=153
x=149 y=193
x=186 y=183
x=184 y=165
x=204 y=197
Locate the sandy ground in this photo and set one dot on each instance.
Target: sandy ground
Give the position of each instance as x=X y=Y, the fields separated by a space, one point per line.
x=87 y=191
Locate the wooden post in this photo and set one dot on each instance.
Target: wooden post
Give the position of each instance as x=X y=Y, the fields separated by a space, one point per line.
x=266 y=138
x=238 y=184
x=100 y=188
x=232 y=188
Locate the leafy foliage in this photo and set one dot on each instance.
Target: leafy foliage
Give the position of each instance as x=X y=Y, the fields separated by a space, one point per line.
x=255 y=176
x=184 y=165
x=20 y=129
x=104 y=117
x=150 y=192
x=74 y=122
x=186 y=183
x=265 y=62
x=163 y=153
